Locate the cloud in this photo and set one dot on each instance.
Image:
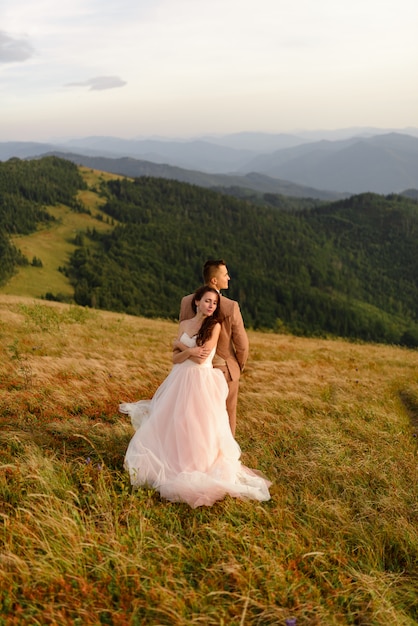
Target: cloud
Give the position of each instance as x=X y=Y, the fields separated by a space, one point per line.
x=100 y=83
x=14 y=49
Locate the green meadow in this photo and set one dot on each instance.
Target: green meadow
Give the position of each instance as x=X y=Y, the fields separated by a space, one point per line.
x=54 y=242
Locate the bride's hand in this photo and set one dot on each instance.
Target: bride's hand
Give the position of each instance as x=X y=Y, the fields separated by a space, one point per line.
x=201 y=352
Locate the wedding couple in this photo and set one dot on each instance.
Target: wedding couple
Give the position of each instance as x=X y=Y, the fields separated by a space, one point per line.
x=184 y=442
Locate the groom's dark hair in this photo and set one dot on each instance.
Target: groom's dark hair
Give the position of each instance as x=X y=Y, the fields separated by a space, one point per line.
x=210 y=268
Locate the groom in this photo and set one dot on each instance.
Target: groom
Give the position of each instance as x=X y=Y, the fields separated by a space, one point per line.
x=232 y=349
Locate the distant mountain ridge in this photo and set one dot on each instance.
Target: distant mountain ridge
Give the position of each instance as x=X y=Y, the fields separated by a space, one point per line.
x=369 y=160
x=252 y=181
x=382 y=164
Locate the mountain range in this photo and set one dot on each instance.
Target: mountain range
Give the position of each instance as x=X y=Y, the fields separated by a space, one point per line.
x=336 y=165
x=252 y=182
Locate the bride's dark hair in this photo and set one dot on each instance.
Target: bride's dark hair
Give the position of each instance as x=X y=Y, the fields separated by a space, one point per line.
x=206 y=329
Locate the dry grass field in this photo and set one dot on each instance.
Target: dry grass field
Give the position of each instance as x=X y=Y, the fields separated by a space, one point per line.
x=333 y=424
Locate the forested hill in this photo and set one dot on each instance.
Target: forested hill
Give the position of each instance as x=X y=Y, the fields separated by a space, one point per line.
x=26 y=189
x=348 y=268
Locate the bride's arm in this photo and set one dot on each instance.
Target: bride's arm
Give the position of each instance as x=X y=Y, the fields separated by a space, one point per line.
x=201 y=353
x=179 y=345
x=181 y=353
x=180 y=350
x=198 y=354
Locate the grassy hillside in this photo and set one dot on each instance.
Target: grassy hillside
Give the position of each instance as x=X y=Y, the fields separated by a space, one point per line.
x=333 y=424
x=54 y=241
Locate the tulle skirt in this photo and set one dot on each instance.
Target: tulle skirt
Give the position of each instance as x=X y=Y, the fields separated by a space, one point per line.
x=183 y=445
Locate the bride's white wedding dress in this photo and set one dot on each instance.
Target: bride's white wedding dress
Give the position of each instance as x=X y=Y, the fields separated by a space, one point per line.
x=183 y=445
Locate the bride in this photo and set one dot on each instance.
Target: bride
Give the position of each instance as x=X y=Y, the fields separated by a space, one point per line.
x=183 y=445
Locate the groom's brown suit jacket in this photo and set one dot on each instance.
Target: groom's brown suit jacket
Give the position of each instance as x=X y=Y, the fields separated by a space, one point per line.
x=232 y=348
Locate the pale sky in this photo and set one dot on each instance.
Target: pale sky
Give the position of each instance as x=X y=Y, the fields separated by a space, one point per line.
x=183 y=68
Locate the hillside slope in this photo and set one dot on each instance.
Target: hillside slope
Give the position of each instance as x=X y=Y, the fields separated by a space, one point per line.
x=331 y=423
x=50 y=243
